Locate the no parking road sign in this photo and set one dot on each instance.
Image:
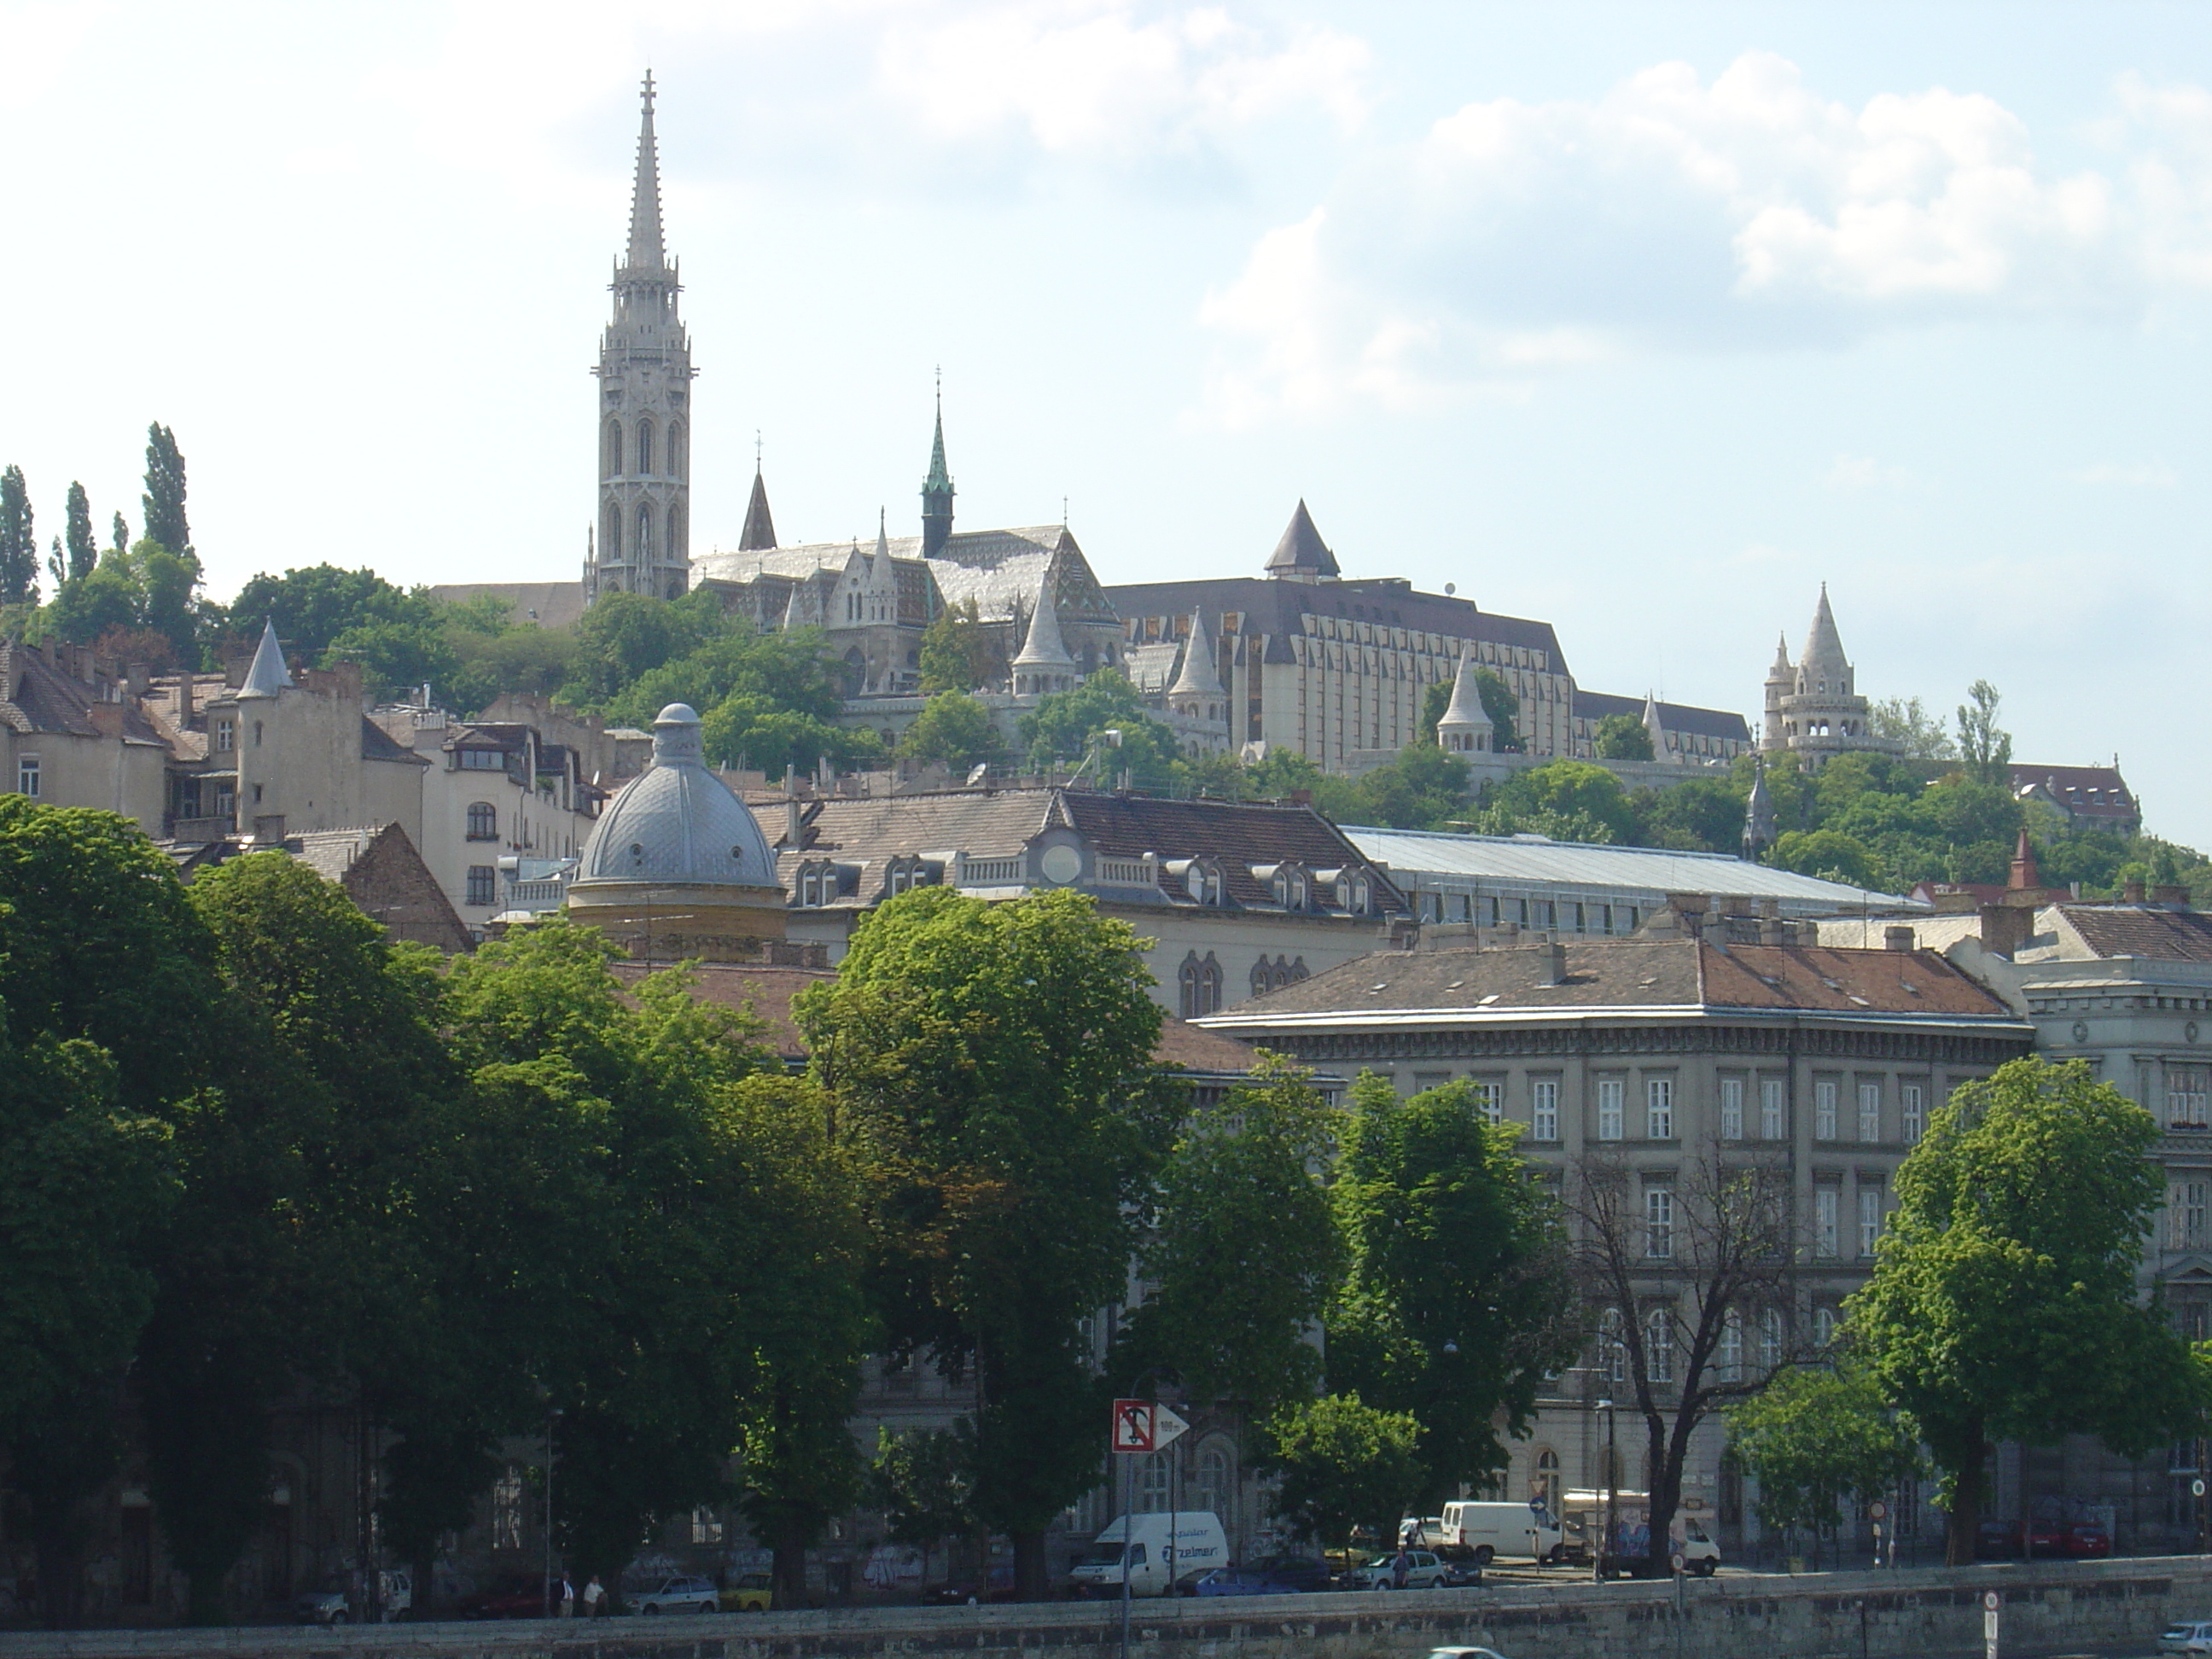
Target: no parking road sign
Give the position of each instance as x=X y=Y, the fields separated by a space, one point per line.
x=1145 y=1426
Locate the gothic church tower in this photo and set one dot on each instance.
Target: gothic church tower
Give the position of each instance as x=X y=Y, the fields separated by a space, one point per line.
x=642 y=538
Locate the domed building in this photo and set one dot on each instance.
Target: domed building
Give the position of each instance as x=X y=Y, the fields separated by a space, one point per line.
x=677 y=866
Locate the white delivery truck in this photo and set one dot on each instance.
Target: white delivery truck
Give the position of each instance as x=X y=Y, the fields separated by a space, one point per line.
x=1585 y=1513
x=1156 y=1550
x=1495 y=1530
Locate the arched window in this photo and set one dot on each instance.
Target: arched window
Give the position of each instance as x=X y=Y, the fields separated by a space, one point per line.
x=1824 y=1326
x=1659 y=1345
x=1770 y=1338
x=675 y=543
x=1210 y=1493
x=610 y=451
x=483 y=821
x=645 y=448
x=1544 y=1483
x=1612 y=1352
x=610 y=536
x=643 y=552
x=679 y=449
x=1155 y=1480
x=1198 y=983
x=1731 y=1350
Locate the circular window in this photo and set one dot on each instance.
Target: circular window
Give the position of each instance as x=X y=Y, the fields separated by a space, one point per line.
x=2188 y=1032
x=1060 y=865
x=2081 y=1031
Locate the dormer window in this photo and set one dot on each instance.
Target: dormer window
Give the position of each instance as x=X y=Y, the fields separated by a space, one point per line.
x=1201 y=879
x=904 y=875
x=481 y=760
x=1354 y=893
x=1291 y=887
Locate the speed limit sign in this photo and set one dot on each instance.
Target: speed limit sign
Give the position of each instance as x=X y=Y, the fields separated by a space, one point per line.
x=1877 y=1511
x=2196 y=1487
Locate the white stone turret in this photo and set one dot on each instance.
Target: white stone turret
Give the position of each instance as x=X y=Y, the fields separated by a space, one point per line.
x=1816 y=706
x=1198 y=691
x=267 y=676
x=1656 y=727
x=1045 y=665
x=1466 y=727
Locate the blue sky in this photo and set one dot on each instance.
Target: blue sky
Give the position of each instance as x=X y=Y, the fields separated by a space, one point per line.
x=1644 y=320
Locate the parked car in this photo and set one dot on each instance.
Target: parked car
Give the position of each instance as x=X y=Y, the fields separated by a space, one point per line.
x=748 y=1592
x=1225 y=1581
x=330 y=1603
x=1464 y=1653
x=682 y=1595
x=997 y=1586
x=513 y=1597
x=2190 y=1636
x=1462 y=1566
x=1997 y=1540
x=1294 y=1575
x=2074 y=1540
x=1422 y=1571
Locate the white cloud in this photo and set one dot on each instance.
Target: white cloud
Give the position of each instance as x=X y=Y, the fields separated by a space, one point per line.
x=38 y=40
x=1745 y=211
x=2133 y=475
x=1864 y=472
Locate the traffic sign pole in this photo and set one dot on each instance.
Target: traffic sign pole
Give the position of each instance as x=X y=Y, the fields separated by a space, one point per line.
x=1990 y=1603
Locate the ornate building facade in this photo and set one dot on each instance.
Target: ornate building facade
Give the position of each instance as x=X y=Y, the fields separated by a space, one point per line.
x=640 y=540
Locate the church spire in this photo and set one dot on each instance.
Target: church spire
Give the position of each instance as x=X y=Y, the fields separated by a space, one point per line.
x=759 y=533
x=646 y=251
x=937 y=489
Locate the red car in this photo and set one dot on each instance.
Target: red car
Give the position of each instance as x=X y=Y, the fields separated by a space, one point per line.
x=511 y=1598
x=2075 y=1541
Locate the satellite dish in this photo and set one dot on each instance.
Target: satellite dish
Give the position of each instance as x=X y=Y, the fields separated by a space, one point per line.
x=977 y=772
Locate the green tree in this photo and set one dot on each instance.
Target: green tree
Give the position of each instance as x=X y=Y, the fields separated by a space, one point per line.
x=784 y=668
x=2002 y=1305
x=1816 y=1436
x=1424 y=788
x=1622 y=737
x=120 y=530
x=82 y=552
x=923 y=1482
x=163 y=503
x=1066 y=726
x=1457 y=1302
x=1575 y=794
x=953 y=727
x=958 y=653
x=19 y=541
x=1010 y=1130
x=625 y=636
x=1907 y=721
x=1504 y=709
x=1244 y=1252
x=1985 y=747
x=1697 y=815
x=750 y=729
x=1344 y=1466
x=1830 y=854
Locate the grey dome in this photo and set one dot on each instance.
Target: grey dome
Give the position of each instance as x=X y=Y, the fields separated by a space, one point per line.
x=678 y=822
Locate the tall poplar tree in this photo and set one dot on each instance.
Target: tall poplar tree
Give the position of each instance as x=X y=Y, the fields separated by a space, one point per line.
x=163 y=502
x=19 y=540
x=81 y=551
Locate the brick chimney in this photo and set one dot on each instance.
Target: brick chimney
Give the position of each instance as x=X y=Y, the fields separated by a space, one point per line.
x=1898 y=937
x=2007 y=927
x=2177 y=896
x=2131 y=892
x=1551 y=964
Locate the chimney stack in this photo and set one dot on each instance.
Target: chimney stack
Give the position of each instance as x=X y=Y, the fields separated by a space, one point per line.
x=2177 y=896
x=2006 y=927
x=1552 y=965
x=1898 y=937
x=2131 y=892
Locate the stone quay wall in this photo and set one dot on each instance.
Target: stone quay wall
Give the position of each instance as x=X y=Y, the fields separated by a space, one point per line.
x=2046 y=1609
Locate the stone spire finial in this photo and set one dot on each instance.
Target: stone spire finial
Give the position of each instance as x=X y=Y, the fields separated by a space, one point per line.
x=1466 y=727
x=1759 y=831
x=1656 y=725
x=1824 y=647
x=759 y=534
x=936 y=488
x=645 y=249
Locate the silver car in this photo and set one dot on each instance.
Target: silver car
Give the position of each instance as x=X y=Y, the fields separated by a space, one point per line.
x=682 y=1595
x=2190 y=1636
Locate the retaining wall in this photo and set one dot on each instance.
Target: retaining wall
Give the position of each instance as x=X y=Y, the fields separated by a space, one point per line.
x=2047 y=1609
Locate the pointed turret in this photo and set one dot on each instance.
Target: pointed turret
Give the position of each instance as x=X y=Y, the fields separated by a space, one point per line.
x=1823 y=660
x=1466 y=727
x=1656 y=725
x=646 y=250
x=759 y=533
x=1758 y=817
x=1197 y=681
x=937 y=491
x=2024 y=876
x=1302 y=556
x=268 y=675
x=1044 y=664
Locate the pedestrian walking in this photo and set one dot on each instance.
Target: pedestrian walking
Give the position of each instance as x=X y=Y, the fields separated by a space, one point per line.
x=595 y=1598
x=1400 y=1564
x=567 y=1609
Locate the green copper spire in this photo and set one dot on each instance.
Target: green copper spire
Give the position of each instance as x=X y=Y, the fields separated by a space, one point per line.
x=937 y=489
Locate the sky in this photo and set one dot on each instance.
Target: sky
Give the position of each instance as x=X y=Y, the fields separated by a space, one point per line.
x=1643 y=320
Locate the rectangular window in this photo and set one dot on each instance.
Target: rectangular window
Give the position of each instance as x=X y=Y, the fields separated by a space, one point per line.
x=1731 y=1108
x=1869 y=1220
x=1609 y=1126
x=1773 y=1110
x=506 y=1509
x=1912 y=1108
x=1869 y=1112
x=1826 y=1202
x=1544 y=1104
x=1425 y=1081
x=1824 y=1109
x=1659 y=1109
x=224 y=736
x=1490 y=1100
x=2187 y=1200
x=1659 y=1223
x=483 y=884
x=27 y=776
x=2184 y=1093
x=482 y=759
x=706 y=1526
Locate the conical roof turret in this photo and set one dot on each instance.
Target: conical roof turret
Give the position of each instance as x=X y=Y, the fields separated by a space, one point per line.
x=1301 y=554
x=1824 y=647
x=1198 y=676
x=1465 y=712
x=1043 y=647
x=759 y=533
x=267 y=676
x=1781 y=669
x=646 y=251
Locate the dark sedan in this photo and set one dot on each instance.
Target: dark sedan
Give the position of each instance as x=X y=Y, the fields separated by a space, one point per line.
x=511 y=1598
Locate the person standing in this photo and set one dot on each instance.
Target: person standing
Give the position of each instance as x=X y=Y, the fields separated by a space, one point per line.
x=595 y=1598
x=567 y=1608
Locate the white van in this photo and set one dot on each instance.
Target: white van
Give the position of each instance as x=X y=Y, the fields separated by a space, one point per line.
x=1585 y=1513
x=1493 y=1530
x=1158 y=1550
